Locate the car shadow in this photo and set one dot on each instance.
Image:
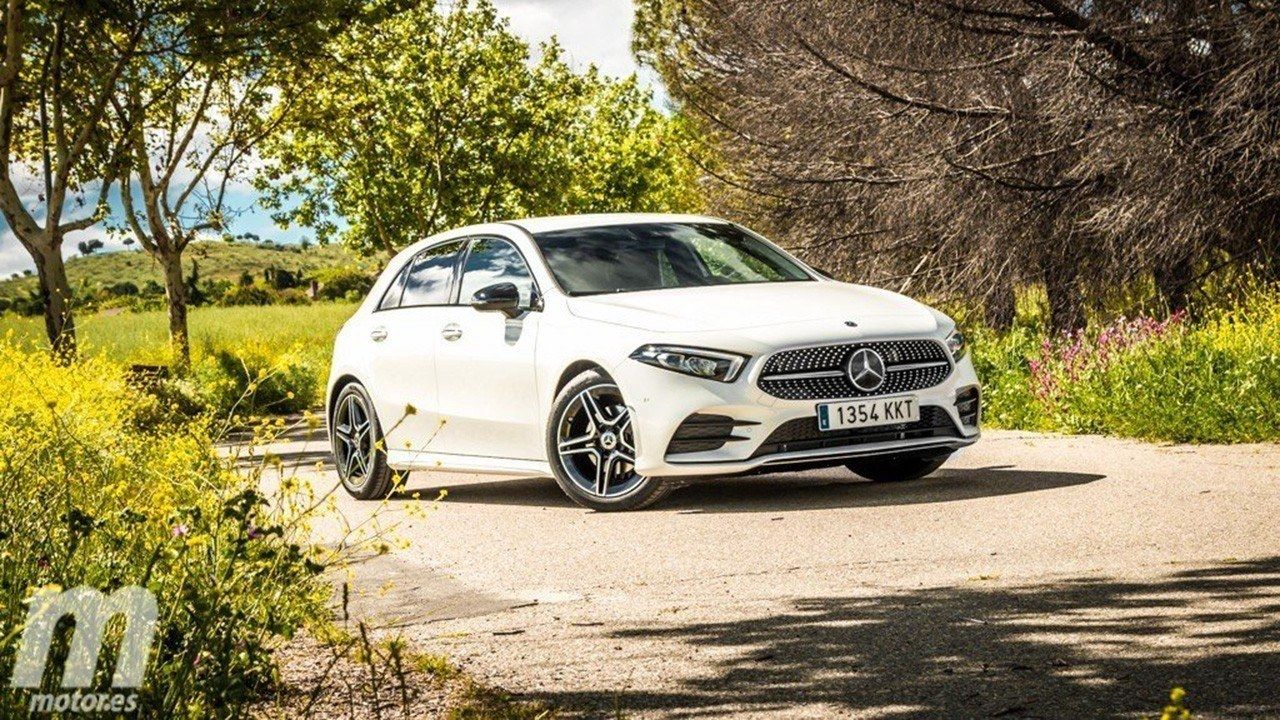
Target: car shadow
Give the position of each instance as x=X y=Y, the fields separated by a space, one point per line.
x=1082 y=647
x=773 y=493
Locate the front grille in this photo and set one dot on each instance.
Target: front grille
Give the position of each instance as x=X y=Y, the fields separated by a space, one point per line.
x=803 y=433
x=701 y=432
x=819 y=372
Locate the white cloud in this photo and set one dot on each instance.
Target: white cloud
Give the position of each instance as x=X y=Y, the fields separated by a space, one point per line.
x=591 y=31
x=13 y=257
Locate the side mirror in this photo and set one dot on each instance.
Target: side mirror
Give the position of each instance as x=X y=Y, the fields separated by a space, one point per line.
x=503 y=297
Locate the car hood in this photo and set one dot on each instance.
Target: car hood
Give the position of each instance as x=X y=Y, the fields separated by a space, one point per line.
x=785 y=307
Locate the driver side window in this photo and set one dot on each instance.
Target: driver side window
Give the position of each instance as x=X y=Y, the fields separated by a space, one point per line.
x=491 y=261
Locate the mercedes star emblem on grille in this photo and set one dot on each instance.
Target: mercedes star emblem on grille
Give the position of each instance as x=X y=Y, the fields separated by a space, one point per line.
x=866 y=370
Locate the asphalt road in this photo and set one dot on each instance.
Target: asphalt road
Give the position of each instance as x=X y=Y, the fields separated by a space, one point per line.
x=1033 y=576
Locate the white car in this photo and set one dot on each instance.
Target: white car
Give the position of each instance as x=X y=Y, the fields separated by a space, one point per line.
x=625 y=355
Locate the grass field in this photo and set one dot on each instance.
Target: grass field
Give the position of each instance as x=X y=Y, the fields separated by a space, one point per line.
x=1212 y=380
x=217 y=260
x=143 y=337
x=245 y=359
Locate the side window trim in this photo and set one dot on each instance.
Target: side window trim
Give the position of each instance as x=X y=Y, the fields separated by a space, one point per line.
x=458 y=269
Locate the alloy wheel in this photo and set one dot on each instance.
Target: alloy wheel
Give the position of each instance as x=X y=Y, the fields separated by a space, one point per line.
x=353 y=442
x=595 y=443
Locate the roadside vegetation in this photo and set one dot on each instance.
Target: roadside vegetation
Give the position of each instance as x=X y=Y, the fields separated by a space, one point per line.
x=246 y=360
x=108 y=485
x=247 y=623
x=1214 y=379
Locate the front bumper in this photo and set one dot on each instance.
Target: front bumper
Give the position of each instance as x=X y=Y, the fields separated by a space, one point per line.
x=661 y=400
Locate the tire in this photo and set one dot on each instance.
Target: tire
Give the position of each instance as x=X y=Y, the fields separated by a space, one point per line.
x=589 y=424
x=898 y=468
x=358 y=450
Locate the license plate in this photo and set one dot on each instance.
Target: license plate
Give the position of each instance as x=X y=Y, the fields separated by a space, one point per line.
x=868 y=413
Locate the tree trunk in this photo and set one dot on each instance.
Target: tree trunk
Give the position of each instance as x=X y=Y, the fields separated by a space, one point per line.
x=55 y=294
x=1000 y=308
x=1173 y=281
x=176 y=293
x=1066 y=303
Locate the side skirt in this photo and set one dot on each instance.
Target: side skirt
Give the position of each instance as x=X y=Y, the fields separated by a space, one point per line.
x=411 y=460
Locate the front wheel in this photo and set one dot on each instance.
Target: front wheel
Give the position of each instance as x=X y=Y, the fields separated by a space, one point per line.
x=591 y=445
x=897 y=468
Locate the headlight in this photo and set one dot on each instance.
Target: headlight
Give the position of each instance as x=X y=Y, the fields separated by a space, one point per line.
x=710 y=364
x=957 y=344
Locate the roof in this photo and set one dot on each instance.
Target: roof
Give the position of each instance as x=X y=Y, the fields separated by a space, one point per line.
x=572 y=222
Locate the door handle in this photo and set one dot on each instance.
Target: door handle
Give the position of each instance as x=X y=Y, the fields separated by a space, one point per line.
x=378 y=334
x=451 y=332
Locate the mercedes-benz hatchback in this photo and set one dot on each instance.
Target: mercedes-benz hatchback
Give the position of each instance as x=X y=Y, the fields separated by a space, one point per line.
x=625 y=355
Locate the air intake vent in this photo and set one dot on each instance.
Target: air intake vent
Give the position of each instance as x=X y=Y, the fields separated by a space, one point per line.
x=702 y=432
x=969 y=406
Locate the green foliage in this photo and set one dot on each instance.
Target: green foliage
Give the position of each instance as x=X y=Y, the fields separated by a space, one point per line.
x=257 y=378
x=106 y=487
x=1212 y=381
x=338 y=283
x=431 y=120
x=1002 y=366
x=246 y=294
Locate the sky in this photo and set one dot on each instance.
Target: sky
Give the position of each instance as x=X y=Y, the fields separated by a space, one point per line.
x=590 y=31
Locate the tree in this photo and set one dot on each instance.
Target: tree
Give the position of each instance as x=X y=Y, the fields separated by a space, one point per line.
x=89 y=247
x=431 y=120
x=195 y=117
x=61 y=61
x=967 y=148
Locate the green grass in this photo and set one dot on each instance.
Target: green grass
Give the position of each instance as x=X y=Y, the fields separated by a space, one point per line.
x=1214 y=380
x=217 y=260
x=246 y=360
x=143 y=337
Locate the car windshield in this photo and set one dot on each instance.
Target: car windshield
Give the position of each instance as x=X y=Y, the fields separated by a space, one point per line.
x=653 y=256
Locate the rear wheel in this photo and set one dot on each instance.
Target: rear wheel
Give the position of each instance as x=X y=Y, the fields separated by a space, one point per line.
x=898 y=468
x=591 y=445
x=358 y=449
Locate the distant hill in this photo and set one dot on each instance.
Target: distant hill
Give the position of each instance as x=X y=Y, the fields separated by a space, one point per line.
x=216 y=259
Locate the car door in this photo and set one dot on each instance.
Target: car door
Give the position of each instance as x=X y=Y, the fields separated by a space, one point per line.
x=404 y=330
x=485 y=361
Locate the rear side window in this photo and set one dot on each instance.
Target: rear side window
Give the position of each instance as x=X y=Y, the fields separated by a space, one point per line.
x=391 y=299
x=426 y=280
